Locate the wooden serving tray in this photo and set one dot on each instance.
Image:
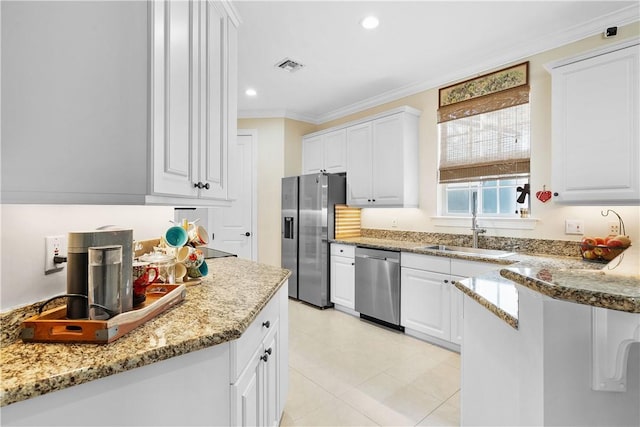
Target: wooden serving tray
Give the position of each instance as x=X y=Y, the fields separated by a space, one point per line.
x=53 y=326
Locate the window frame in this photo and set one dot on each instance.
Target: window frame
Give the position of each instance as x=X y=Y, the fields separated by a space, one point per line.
x=477 y=186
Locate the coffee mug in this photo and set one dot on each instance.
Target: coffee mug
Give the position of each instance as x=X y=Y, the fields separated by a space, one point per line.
x=194 y=259
x=198 y=235
x=182 y=253
x=200 y=271
x=176 y=237
x=181 y=271
x=144 y=274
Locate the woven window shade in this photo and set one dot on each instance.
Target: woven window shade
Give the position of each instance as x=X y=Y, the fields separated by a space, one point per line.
x=480 y=144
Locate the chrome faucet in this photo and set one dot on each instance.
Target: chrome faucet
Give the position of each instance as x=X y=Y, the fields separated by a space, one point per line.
x=474 y=220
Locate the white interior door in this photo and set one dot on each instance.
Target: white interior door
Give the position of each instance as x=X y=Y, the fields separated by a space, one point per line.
x=234 y=228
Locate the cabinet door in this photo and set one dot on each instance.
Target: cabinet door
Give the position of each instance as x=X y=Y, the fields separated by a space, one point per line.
x=359 y=163
x=312 y=155
x=272 y=368
x=343 y=281
x=247 y=393
x=388 y=161
x=212 y=150
x=425 y=305
x=174 y=69
x=335 y=151
x=596 y=150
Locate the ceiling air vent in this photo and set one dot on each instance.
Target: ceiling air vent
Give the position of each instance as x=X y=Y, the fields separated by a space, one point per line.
x=289 y=65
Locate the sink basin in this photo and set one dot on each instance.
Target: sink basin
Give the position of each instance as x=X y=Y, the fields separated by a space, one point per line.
x=490 y=253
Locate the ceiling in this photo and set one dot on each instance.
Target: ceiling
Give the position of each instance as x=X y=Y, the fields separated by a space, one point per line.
x=418 y=45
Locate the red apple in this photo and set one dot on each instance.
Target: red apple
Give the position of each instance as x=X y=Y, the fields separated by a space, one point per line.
x=588 y=243
x=589 y=255
x=619 y=242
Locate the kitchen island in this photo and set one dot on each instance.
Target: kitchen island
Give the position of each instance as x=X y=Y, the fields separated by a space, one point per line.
x=568 y=354
x=189 y=365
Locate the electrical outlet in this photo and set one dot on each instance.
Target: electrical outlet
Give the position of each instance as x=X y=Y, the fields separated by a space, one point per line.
x=53 y=246
x=573 y=226
x=614 y=227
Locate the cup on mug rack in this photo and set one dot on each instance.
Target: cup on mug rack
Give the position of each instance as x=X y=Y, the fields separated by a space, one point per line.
x=176 y=236
x=198 y=235
x=181 y=271
x=194 y=259
x=182 y=253
x=200 y=271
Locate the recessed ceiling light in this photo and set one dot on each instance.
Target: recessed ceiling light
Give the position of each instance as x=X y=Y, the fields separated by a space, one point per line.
x=370 y=22
x=250 y=92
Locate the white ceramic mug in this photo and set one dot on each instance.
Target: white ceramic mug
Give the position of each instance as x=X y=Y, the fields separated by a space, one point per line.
x=181 y=271
x=198 y=235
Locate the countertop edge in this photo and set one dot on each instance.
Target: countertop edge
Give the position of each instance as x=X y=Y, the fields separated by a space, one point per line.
x=583 y=296
x=501 y=314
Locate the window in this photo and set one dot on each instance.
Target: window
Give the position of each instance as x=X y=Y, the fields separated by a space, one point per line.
x=484 y=140
x=496 y=197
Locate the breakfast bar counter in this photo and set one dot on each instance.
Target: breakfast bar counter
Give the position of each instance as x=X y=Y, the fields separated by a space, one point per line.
x=217 y=311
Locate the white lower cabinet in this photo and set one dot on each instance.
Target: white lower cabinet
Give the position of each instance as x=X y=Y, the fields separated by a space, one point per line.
x=259 y=372
x=343 y=275
x=425 y=302
x=429 y=303
x=255 y=393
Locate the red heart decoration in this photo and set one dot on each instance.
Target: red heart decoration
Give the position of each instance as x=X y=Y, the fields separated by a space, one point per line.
x=543 y=196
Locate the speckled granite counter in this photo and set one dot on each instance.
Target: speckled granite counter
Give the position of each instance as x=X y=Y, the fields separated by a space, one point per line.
x=614 y=286
x=215 y=311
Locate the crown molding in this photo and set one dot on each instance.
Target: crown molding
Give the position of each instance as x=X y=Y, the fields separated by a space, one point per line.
x=569 y=35
x=280 y=114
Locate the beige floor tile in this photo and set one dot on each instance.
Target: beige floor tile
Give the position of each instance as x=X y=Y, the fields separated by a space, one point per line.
x=442 y=381
x=448 y=414
x=305 y=396
x=388 y=401
x=335 y=413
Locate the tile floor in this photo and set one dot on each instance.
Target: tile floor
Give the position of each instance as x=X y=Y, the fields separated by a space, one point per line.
x=346 y=372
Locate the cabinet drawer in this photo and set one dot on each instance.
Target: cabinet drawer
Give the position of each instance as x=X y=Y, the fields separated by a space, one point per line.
x=244 y=347
x=466 y=268
x=426 y=262
x=343 y=250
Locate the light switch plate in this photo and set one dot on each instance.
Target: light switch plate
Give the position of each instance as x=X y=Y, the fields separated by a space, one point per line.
x=574 y=226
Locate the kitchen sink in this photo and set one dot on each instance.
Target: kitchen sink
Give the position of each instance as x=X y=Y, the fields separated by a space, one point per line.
x=490 y=253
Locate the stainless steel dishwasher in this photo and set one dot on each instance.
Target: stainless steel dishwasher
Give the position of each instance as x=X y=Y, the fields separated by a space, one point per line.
x=378 y=285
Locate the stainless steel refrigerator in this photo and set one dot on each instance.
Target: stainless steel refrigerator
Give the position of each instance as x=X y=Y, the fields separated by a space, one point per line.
x=308 y=222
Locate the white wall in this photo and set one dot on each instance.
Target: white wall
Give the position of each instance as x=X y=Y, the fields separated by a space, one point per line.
x=23 y=228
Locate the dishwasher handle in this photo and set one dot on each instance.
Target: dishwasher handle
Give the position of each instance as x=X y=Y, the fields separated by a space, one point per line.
x=394 y=260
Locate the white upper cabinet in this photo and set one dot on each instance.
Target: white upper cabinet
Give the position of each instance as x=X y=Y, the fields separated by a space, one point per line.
x=194 y=99
x=382 y=159
x=595 y=131
x=124 y=103
x=360 y=155
x=325 y=153
x=379 y=154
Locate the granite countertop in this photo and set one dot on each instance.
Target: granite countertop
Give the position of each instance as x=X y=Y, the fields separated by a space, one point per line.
x=615 y=285
x=216 y=311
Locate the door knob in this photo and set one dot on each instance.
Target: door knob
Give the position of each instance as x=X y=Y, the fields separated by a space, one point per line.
x=247 y=234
